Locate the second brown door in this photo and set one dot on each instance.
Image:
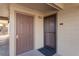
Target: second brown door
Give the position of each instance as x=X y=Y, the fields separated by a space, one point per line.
x=24 y=33
x=50 y=31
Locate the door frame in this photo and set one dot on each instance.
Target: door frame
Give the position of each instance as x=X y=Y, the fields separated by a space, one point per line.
x=33 y=24
x=55 y=28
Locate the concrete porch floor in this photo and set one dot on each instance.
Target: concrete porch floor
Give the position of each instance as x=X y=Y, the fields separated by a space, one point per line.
x=4 y=50
x=34 y=53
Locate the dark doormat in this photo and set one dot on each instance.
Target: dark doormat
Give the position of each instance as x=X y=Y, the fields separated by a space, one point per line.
x=47 y=51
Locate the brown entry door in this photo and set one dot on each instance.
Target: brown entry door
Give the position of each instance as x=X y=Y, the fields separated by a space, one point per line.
x=24 y=33
x=50 y=31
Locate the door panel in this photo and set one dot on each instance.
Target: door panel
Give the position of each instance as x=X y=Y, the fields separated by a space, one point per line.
x=50 y=31
x=24 y=33
x=50 y=39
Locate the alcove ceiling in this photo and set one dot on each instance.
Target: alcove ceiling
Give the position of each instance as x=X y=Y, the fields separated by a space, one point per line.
x=41 y=7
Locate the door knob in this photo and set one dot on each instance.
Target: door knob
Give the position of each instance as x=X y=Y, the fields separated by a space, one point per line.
x=17 y=37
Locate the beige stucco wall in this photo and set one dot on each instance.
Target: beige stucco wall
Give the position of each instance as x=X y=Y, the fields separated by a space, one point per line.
x=4 y=10
x=68 y=33
x=38 y=33
x=61 y=5
x=38 y=27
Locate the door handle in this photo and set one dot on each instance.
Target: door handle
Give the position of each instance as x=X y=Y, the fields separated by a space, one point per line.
x=17 y=37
